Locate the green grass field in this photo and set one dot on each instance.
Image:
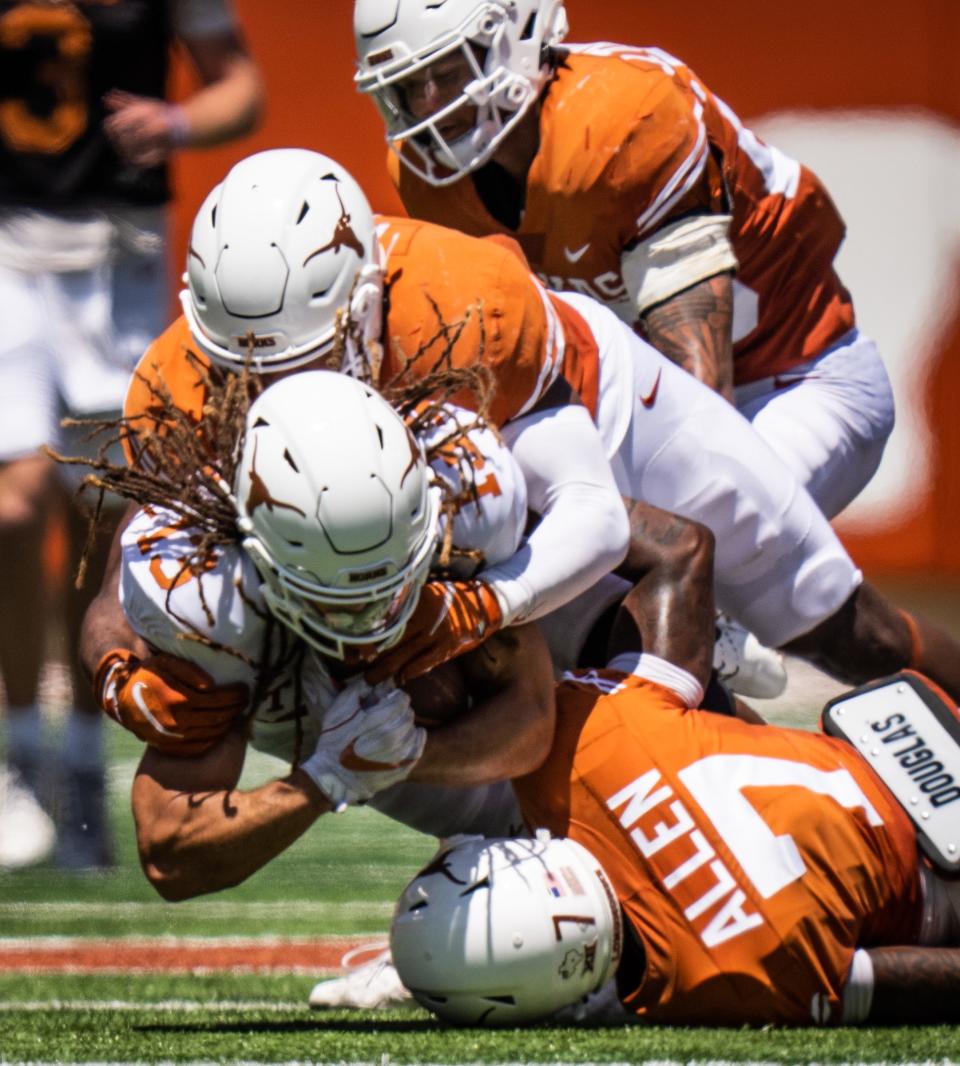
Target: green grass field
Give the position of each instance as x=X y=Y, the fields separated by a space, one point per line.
x=213 y=1020
x=341 y=878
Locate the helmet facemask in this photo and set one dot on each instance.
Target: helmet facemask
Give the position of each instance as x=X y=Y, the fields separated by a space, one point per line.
x=502 y=44
x=334 y=621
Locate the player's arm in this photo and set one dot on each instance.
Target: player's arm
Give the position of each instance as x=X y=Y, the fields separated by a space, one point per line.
x=914 y=985
x=582 y=534
x=165 y=700
x=669 y=612
x=198 y=833
x=104 y=625
x=680 y=276
x=228 y=104
x=509 y=728
x=583 y=531
x=694 y=330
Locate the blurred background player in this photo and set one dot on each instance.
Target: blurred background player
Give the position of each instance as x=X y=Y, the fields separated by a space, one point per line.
x=85 y=138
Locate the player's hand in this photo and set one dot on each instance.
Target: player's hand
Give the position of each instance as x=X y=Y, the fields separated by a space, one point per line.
x=143 y=130
x=368 y=742
x=173 y=705
x=451 y=618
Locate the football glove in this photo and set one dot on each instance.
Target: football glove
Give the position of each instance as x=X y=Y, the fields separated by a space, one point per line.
x=452 y=617
x=173 y=705
x=368 y=742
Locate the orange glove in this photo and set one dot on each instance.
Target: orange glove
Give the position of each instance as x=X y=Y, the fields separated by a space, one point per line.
x=173 y=705
x=451 y=617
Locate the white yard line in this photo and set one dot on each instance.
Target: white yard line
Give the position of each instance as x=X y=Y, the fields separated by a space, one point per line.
x=169 y=940
x=212 y=909
x=40 y=1005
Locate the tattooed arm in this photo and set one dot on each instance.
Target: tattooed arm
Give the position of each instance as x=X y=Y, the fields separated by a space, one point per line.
x=915 y=985
x=670 y=611
x=694 y=330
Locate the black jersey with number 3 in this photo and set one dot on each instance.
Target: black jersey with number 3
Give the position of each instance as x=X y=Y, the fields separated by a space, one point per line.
x=57 y=60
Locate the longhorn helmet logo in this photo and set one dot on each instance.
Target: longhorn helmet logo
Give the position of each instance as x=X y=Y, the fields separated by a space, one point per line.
x=259 y=495
x=344 y=235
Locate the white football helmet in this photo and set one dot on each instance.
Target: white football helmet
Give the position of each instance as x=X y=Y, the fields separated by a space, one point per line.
x=500 y=932
x=504 y=43
x=337 y=509
x=282 y=245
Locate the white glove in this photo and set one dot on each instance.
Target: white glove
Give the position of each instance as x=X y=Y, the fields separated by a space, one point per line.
x=368 y=742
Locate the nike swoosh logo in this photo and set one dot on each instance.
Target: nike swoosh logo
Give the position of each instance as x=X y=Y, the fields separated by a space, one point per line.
x=137 y=693
x=576 y=256
x=448 y=598
x=651 y=398
x=350 y=760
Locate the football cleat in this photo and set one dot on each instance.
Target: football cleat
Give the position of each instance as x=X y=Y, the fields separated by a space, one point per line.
x=371 y=985
x=744 y=664
x=27 y=834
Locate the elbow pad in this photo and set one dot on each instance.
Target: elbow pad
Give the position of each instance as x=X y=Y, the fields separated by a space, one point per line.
x=676 y=257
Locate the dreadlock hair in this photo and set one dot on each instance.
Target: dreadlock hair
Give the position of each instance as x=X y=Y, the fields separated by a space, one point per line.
x=187 y=464
x=420 y=391
x=178 y=461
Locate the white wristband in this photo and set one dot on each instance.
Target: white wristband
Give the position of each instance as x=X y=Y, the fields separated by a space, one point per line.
x=661 y=672
x=179 y=126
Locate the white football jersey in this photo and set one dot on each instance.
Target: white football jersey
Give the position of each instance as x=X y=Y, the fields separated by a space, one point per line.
x=211 y=612
x=479 y=465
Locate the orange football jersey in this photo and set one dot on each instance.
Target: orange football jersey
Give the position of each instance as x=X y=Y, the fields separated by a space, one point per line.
x=444 y=289
x=165 y=366
x=479 y=298
x=750 y=861
x=630 y=139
